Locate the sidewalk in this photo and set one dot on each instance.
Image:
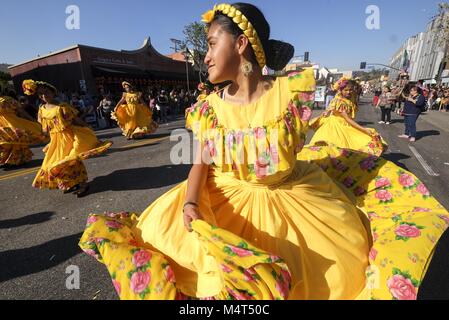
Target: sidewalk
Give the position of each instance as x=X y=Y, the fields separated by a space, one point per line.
x=438 y=119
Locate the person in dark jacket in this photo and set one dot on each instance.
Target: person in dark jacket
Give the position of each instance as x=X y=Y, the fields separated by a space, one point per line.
x=414 y=104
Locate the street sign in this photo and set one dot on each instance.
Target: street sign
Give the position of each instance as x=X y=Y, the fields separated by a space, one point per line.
x=320 y=93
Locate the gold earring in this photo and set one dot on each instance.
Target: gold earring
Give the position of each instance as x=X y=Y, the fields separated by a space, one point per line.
x=247 y=68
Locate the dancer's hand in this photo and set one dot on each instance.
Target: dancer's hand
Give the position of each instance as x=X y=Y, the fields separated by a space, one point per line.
x=368 y=132
x=190 y=214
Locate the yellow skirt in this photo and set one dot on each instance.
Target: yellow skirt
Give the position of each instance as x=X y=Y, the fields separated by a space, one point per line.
x=336 y=131
x=301 y=239
x=406 y=222
x=62 y=167
x=16 y=135
x=135 y=120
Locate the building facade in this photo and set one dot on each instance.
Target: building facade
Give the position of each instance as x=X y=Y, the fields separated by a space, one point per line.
x=97 y=70
x=422 y=56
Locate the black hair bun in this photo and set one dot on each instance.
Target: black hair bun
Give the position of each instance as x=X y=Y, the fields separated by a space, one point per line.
x=278 y=54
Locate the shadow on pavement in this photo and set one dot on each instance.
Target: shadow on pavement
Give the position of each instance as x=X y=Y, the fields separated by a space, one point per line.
x=32 y=164
x=396 y=158
x=22 y=262
x=32 y=219
x=427 y=133
x=140 y=178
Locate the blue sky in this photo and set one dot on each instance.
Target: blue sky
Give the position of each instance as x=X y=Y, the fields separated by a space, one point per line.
x=333 y=31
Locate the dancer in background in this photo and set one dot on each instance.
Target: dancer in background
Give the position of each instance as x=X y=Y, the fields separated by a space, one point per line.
x=18 y=131
x=337 y=125
x=71 y=141
x=132 y=115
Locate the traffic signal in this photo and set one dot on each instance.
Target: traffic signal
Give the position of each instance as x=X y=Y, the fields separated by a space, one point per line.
x=306 y=56
x=363 y=65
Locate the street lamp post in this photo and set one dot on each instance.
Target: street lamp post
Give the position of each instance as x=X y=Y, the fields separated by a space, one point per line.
x=187 y=69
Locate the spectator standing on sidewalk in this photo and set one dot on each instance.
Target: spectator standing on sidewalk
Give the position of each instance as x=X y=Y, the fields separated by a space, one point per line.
x=384 y=103
x=444 y=103
x=163 y=102
x=330 y=95
x=106 y=107
x=414 y=104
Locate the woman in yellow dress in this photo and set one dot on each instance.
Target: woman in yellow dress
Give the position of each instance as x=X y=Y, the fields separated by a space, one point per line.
x=337 y=125
x=132 y=115
x=251 y=222
x=264 y=225
x=71 y=141
x=17 y=132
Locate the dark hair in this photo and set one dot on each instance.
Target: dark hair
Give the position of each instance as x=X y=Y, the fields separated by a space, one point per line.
x=45 y=85
x=277 y=53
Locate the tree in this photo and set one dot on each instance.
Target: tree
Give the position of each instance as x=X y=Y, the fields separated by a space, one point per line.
x=195 y=46
x=5 y=76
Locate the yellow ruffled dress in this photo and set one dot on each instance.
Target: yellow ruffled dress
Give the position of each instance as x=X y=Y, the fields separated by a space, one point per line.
x=62 y=167
x=17 y=134
x=406 y=222
x=274 y=227
x=134 y=118
x=335 y=130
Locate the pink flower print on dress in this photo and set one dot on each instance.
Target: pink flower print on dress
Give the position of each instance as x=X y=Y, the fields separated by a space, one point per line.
x=240 y=252
x=407 y=231
x=306 y=96
x=373 y=254
x=368 y=164
x=225 y=268
x=445 y=218
x=260 y=133
x=348 y=182
x=117 y=286
x=140 y=281
x=305 y=113
x=384 y=195
x=261 y=168
x=114 y=225
x=383 y=183
x=401 y=288
x=204 y=108
x=293 y=109
x=406 y=180
x=274 y=154
x=421 y=188
x=91 y=220
x=170 y=275
x=141 y=258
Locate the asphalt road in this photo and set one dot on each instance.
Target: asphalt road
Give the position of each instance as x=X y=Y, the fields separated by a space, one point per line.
x=40 y=229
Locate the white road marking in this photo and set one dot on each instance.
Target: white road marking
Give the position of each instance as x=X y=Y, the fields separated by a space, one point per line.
x=423 y=162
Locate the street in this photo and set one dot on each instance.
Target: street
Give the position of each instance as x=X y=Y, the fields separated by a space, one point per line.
x=40 y=229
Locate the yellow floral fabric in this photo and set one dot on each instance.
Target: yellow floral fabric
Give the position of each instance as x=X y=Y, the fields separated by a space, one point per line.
x=134 y=118
x=62 y=167
x=16 y=134
x=139 y=272
x=405 y=220
x=334 y=129
x=283 y=233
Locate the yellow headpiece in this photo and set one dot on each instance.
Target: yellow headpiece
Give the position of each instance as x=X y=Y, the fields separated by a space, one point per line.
x=243 y=23
x=29 y=87
x=341 y=83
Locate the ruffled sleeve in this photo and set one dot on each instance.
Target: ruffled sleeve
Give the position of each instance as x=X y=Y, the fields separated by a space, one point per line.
x=302 y=86
x=201 y=119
